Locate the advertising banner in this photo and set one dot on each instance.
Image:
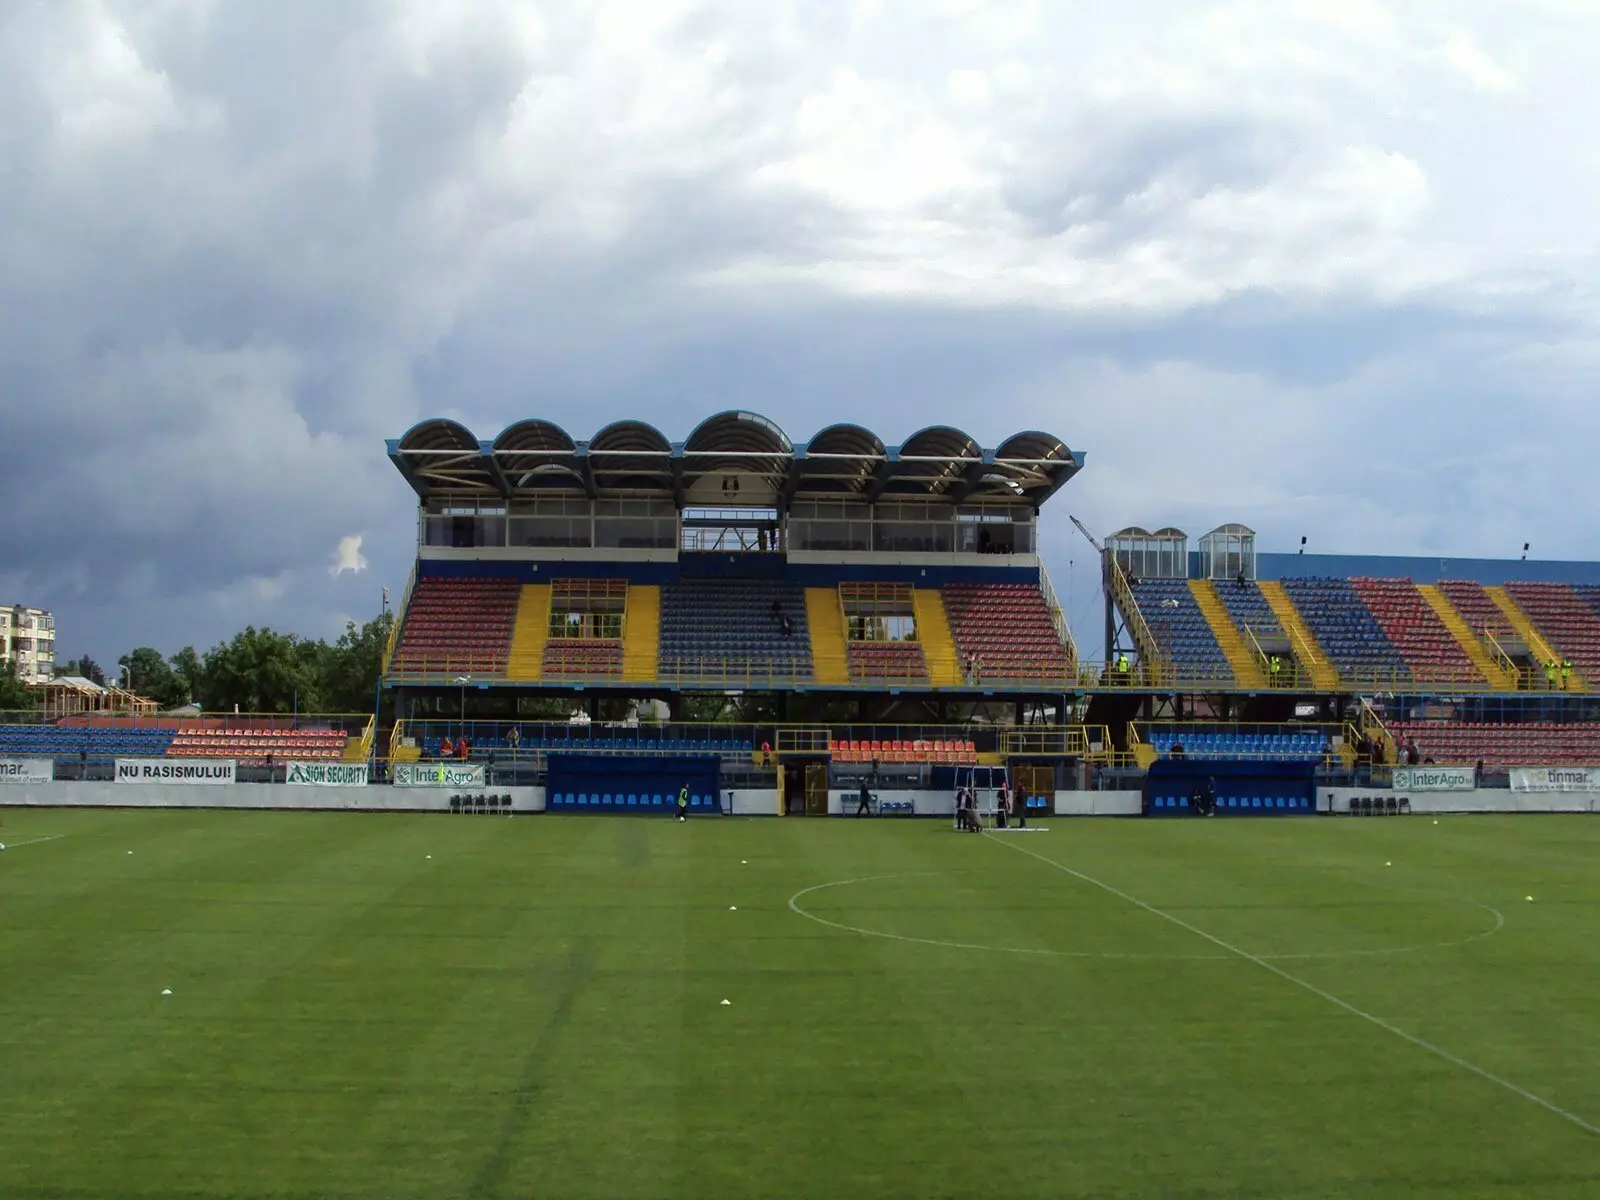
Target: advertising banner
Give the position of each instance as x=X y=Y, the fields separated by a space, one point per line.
x=175 y=770
x=27 y=770
x=1434 y=779
x=328 y=774
x=440 y=775
x=1555 y=779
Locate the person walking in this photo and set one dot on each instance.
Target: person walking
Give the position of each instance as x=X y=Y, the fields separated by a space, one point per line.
x=683 y=803
x=864 y=802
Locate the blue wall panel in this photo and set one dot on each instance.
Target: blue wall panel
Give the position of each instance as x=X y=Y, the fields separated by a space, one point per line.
x=1244 y=789
x=633 y=783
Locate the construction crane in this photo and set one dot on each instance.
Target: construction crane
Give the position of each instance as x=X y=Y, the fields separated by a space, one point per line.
x=1119 y=638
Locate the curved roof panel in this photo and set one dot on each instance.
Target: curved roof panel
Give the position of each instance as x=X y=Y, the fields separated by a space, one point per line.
x=443 y=455
x=631 y=454
x=840 y=458
x=933 y=461
x=537 y=453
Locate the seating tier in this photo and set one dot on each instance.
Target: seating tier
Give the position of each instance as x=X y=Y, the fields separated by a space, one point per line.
x=1416 y=631
x=583 y=658
x=888 y=661
x=1565 y=620
x=1008 y=627
x=59 y=741
x=1181 y=630
x=1345 y=628
x=714 y=628
x=254 y=745
x=1502 y=746
x=458 y=625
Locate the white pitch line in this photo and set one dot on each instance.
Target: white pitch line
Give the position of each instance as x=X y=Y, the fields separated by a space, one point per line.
x=54 y=837
x=1316 y=991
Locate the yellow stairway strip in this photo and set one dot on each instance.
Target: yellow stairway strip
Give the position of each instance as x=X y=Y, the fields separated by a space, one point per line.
x=526 y=661
x=641 y=634
x=1542 y=650
x=1323 y=675
x=829 y=663
x=1245 y=667
x=933 y=631
x=1501 y=679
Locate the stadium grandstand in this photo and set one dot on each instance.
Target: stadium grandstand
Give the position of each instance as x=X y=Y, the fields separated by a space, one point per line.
x=876 y=610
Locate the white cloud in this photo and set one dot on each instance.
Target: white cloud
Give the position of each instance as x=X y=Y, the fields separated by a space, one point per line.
x=348 y=557
x=1477 y=67
x=222 y=292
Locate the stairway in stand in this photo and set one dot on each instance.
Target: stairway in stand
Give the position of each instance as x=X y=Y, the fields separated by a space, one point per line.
x=641 y=634
x=1525 y=629
x=1323 y=676
x=532 y=630
x=933 y=631
x=1499 y=678
x=1245 y=668
x=829 y=663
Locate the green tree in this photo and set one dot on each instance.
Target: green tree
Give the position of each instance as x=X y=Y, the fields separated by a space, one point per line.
x=15 y=696
x=352 y=665
x=260 y=670
x=187 y=667
x=147 y=673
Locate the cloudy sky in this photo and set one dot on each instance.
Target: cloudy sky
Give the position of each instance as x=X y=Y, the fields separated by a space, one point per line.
x=1322 y=266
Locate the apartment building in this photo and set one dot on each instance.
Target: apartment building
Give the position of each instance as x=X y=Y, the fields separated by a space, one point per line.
x=28 y=638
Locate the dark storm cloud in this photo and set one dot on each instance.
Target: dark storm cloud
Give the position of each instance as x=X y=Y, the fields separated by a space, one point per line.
x=240 y=244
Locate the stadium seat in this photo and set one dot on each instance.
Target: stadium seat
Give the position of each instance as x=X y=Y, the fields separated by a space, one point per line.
x=1501 y=746
x=1180 y=629
x=1567 y=619
x=1346 y=630
x=457 y=626
x=721 y=629
x=1416 y=632
x=1008 y=627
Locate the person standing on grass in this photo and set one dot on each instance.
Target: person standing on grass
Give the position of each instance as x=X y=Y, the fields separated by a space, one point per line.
x=864 y=804
x=683 y=803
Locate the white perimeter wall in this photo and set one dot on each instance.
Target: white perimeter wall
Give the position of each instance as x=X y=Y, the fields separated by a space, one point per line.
x=255 y=795
x=1480 y=800
x=745 y=802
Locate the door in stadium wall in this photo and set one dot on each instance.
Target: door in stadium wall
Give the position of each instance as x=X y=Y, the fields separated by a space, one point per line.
x=816 y=789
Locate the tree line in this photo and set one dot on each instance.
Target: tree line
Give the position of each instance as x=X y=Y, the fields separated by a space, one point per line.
x=257 y=670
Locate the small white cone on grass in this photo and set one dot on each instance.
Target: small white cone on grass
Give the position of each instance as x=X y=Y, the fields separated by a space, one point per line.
x=1388 y=864
x=744 y=862
x=1530 y=899
x=725 y=1003
x=430 y=856
x=166 y=991
x=733 y=908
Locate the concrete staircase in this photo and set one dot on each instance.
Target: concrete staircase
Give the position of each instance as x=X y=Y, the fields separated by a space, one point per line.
x=830 y=662
x=938 y=644
x=1310 y=656
x=1501 y=679
x=1541 y=650
x=641 y=634
x=529 y=634
x=1245 y=667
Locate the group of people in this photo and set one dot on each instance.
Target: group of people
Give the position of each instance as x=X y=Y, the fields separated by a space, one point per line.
x=972 y=668
x=1006 y=805
x=460 y=748
x=1558 y=674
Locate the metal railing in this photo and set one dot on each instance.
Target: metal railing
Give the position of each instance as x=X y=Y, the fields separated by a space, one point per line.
x=1058 y=618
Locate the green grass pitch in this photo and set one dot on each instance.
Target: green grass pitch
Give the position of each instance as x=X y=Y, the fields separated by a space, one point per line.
x=535 y=1010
